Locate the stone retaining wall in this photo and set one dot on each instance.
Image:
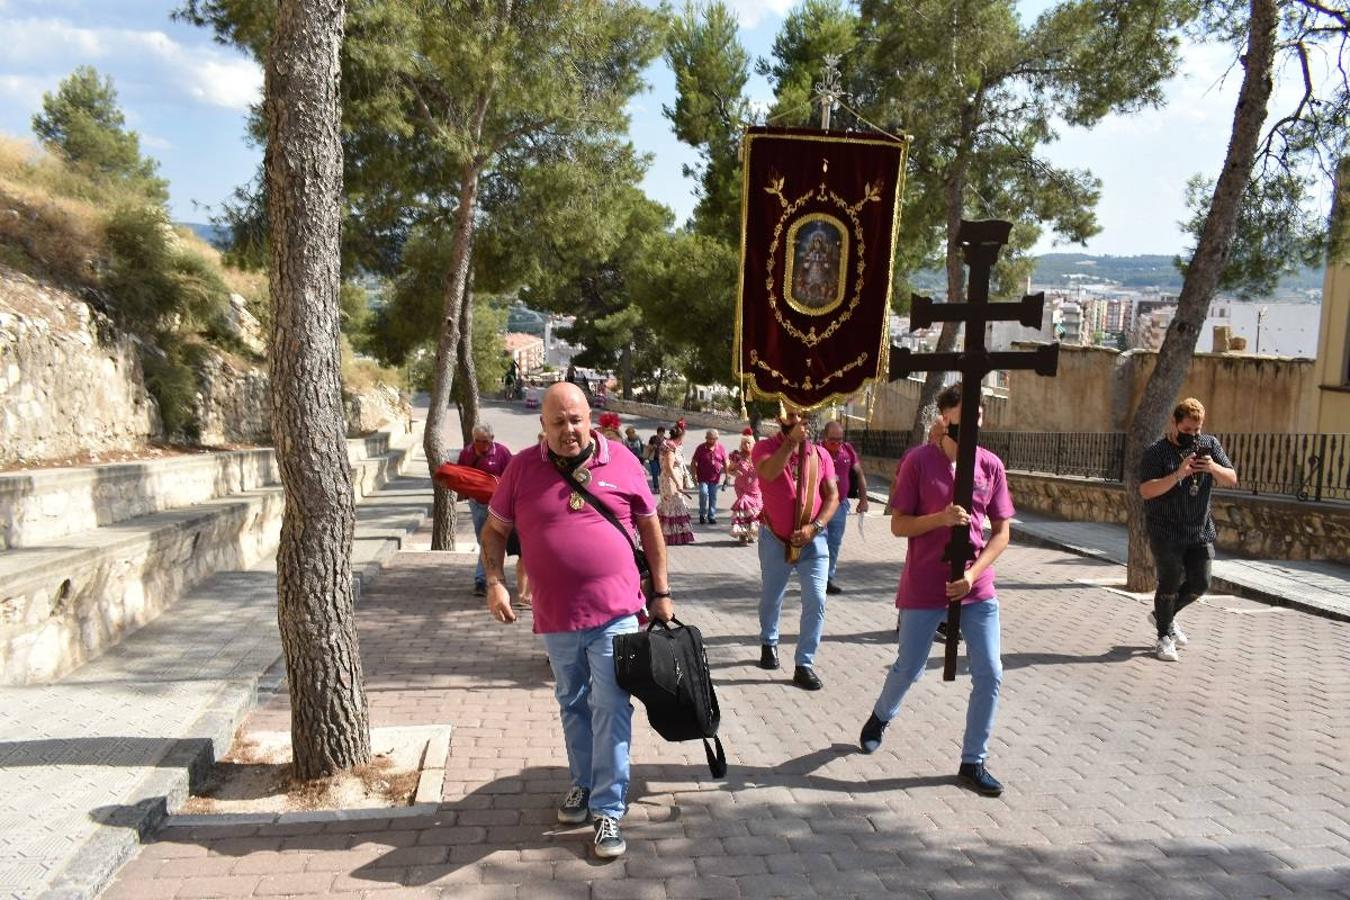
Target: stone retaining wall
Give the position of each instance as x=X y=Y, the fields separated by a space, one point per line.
x=69 y=383
x=62 y=605
x=1248 y=526
x=665 y=415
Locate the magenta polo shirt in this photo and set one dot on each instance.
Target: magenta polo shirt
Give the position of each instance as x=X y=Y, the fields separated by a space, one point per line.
x=581 y=568
x=709 y=464
x=493 y=462
x=780 y=495
x=925 y=483
x=844 y=461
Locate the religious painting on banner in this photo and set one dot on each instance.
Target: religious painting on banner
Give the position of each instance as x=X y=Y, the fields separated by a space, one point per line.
x=820 y=214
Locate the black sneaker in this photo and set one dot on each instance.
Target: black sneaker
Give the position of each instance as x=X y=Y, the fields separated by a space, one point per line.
x=609 y=841
x=873 y=730
x=976 y=777
x=832 y=588
x=711 y=520
x=941 y=636
x=768 y=657
x=479 y=589
x=804 y=678
x=703 y=520
x=573 y=809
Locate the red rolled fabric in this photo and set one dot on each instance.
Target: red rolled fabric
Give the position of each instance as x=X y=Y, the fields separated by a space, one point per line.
x=466 y=481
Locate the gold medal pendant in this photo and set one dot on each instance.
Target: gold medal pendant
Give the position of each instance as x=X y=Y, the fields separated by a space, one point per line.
x=582 y=475
x=575 y=502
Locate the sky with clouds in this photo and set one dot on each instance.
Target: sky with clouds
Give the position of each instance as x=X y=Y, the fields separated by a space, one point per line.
x=189 y=97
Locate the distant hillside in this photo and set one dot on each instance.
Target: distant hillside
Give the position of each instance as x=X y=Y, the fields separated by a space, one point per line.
x=1147 y=271
x=213 y=235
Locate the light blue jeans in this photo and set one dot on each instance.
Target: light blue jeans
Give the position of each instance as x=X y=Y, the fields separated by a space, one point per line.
x=479 y=511
x=980 y=628
x=834 y=534
x=597 y=715
x=707 y=499
x=812 y=571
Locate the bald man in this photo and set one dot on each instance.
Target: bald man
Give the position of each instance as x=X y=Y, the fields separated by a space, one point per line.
x=586 y=590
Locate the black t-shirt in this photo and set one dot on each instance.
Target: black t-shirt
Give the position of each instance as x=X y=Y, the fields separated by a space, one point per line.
x=1180 y=516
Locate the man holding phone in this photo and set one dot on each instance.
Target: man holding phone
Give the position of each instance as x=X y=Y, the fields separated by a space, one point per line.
x=1177 y=474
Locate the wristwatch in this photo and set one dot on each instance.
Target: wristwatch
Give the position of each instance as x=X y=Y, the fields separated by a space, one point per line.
x=818 y=526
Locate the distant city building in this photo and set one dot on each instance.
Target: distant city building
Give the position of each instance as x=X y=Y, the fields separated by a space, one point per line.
x=527 y=350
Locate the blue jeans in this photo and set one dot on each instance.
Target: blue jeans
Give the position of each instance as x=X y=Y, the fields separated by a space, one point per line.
x=597 y=715
x=479 y=511
x=654 y=467
x=707 y=499
x=834 y=534
x=979 y=627
x=812 y=569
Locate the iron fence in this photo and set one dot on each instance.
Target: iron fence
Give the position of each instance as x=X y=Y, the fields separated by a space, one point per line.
x=1303 y=466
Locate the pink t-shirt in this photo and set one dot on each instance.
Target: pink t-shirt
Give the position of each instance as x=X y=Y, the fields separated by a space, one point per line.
x=780 y=495
x=580 y=567
x=844 y=461
x=925 y=483
x=494 y=461
x=709 y=464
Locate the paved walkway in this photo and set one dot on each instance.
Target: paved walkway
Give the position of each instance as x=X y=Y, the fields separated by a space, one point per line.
x=1219 y=776
x=1321 y=588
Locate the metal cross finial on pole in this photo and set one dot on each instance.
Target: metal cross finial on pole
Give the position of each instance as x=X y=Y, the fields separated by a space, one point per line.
x=829 y=90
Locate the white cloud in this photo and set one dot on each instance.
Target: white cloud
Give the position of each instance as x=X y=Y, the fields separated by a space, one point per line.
x=201 y=73
x=22 y=91
x=751 y=12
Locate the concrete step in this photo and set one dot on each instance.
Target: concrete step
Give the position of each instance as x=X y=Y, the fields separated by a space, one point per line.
x=65 y=600
x=43 y=505
x=105 y=752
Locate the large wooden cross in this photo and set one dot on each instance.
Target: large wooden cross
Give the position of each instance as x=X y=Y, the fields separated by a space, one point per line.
x=980 y=244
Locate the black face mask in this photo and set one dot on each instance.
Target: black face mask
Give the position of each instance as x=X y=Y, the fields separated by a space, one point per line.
x=566 y=462
x=1185 y=440
x=954 y=431
x=786 y=428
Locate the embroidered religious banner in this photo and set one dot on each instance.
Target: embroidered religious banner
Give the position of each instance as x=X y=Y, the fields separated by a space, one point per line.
x=820 y=212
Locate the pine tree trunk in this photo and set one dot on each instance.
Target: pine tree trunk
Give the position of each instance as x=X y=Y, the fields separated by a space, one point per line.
x=626 y=369
x=436 y=439
x=330 y=726
x=1202 y=277
x=467 y=373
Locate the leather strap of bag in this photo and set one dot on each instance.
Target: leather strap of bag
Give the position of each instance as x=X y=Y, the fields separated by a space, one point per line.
x=639 y=557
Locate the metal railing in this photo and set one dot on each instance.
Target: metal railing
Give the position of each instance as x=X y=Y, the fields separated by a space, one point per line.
x=1304 y=466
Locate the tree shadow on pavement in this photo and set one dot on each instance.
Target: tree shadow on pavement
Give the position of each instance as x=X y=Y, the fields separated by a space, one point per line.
x=781 y=830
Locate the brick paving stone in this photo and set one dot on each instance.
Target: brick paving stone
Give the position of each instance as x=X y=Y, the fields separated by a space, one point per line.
x=1126 y=777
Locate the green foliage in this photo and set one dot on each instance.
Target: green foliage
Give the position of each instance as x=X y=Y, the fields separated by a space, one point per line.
x=981 y=91
x=711 y=69
x=1277 y=234
x=154 y=284
x=812 y=31
x=490 y=359
x=171 y=378
x=83 y=123
x=685 y=284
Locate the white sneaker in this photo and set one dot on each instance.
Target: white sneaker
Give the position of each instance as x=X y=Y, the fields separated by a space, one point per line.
x=1175 y=633
x=1166 y=649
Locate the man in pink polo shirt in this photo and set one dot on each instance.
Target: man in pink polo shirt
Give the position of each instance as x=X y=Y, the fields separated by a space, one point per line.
x=923 y=511
x=776 y=460
x=586 y=590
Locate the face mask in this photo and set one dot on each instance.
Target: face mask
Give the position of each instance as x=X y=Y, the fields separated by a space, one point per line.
x=954 y=431
x=1185 y=440
x=786 y=427
x=833 y=446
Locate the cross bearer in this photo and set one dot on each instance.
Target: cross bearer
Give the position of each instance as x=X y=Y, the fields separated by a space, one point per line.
x=923 y=511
